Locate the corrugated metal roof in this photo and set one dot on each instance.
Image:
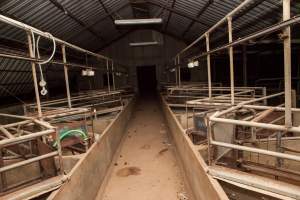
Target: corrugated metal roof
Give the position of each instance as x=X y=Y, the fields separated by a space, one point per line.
x=89 y=23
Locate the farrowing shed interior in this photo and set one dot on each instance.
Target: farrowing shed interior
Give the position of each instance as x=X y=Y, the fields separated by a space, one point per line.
x=149 y=99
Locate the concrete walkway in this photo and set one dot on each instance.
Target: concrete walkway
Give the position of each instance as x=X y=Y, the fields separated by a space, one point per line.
x=146 y=168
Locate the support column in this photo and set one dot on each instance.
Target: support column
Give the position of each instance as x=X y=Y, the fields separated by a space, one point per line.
x=231 y=60
x=208 y=67
x=36 y=87
x=179 y=72
x=113 y=75
x=107 y=74
x=287 y=63
x=63 y=49
x=176 y=81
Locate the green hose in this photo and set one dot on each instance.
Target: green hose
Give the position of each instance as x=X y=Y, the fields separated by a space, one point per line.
x=70 y=133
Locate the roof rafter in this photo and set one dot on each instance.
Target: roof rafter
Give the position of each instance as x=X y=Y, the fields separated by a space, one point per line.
x=178 y=12
x=169 y=15
x=98 y=21
x=202 y=10
x=74 y=18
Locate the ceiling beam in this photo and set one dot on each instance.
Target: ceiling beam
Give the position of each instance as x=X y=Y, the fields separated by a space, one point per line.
x=247 y=9
x=77 y=34
x=106 y=10
x=178 y=12
x=202 y=10
x=119 y=37
x=267 y=15
x=74 y=18
x=169 y=15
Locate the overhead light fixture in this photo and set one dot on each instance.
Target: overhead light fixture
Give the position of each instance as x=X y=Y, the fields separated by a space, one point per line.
x=196 y=63
x=172 y=70
x=88 y=72
x=191 y=65
x=142 y=44
x=125 y=22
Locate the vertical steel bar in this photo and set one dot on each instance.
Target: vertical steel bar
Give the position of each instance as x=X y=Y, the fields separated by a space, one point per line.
x=286 y=5
x=63 y=49
x=264 y=93
x=231 y=60
x=59 y=150
x=36 y=87
x=179 y=72
x=113 y=75
x=208 y=67
x=107 y=73
x=176 y=71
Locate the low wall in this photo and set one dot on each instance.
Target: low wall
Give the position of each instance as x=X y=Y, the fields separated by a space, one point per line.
x=202 y=185
x=88 y=174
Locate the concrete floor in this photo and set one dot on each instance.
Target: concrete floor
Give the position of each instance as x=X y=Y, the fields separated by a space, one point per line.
x=145 y=168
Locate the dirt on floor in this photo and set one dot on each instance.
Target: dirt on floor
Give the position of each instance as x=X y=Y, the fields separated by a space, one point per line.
x=146 y=168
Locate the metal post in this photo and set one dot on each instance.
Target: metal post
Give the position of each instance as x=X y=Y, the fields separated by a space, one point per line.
x=231 y=60
x=63 y=49
x=59 y=150
x=245 y=65
x=107 y=73
x=179 y=71
x=287 y=63
x=36 y=87
x=208 y=67
x=113 y=75
x=176 y=71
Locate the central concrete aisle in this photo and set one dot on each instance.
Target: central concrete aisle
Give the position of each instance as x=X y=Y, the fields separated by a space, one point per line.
x=145 y=168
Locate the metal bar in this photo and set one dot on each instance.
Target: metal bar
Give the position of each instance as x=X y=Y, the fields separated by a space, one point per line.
x=6 y=132
x=24 y=138
x=26 y=162
x=253 y=36
x=26 y=27
x=218 y=114
x=267 y=107
x=255 y=124
x=208 y=67
x=287 y=64
x=19 y=57
x=256 y=150
x=179 y=71
x=231 y=60
x=176 y=81
x=107 y=73
x=59 y=151
x=113 y=75
x=33 y=65
x=63 y=49
x=232 y=13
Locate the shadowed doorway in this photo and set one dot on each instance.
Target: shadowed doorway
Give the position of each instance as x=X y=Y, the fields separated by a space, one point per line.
x=147 y=82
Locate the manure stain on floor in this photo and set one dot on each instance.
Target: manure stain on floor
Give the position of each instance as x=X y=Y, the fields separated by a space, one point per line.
x=128 y=171
x=161 y=152
x=146 y=146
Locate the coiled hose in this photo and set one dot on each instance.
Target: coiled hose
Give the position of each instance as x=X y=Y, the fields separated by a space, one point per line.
x=70 y=133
